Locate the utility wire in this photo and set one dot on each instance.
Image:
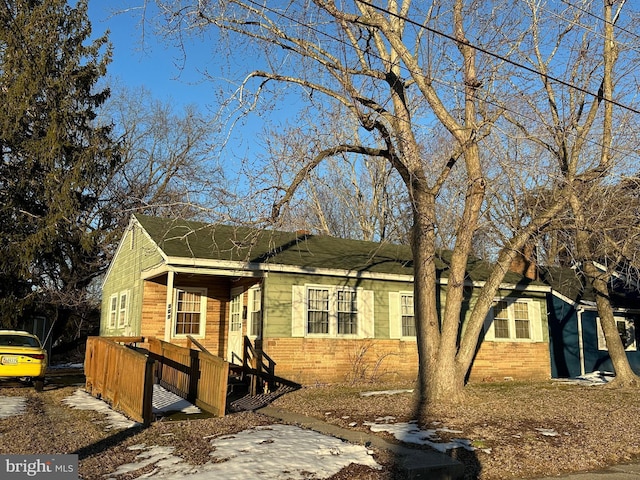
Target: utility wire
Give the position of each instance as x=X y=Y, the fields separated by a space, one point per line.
x=501 y=57
x=435 y=80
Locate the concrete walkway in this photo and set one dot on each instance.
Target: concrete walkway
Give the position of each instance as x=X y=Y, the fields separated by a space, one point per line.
x=416 y=464
x=618 y=472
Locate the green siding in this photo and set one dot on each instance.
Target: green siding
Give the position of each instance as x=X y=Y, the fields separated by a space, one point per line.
x=133 y=256
x=278 y=297
x=278 y=292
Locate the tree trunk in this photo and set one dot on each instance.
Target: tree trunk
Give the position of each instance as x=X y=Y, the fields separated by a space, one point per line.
x=598 y=280
x=624 y=374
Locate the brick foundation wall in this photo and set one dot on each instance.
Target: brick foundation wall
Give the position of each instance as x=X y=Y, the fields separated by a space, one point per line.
x=309 y=361
x=496 y=361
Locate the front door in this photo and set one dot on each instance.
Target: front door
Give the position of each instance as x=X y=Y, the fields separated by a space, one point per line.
x=234 y=345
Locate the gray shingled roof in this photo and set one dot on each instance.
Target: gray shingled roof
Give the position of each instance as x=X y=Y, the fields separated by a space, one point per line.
x=190 y=239
x=570 y=283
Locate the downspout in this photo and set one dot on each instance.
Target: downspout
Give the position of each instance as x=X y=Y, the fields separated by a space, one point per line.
x=169 y=300
x=579 y=312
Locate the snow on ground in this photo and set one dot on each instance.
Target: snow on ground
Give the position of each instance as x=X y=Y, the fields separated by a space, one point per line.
x=593 y=378
x=250 y=454
x=165 y=401
x=385 y=392
x=12 y=406
x=84 y=401
x=410 y=432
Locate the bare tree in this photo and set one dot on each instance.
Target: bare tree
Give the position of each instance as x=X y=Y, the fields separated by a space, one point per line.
x=578 y=134
x=399 y=71
x=348 y=196
x=168 y=166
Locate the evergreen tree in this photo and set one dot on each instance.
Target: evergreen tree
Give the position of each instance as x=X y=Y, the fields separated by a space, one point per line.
x=56 y=159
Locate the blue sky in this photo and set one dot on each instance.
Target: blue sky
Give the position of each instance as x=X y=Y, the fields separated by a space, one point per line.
x=146 y=61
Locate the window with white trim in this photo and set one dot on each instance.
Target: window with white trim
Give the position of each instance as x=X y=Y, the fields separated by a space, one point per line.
x=236 y=313
x=331 y=311
x=113 y=310
x=626 y=330
x=407 y=315
x=123 y=310
x=317 y=310
x=255 y=312
x=347 y=312
x=514 y=320
x=190 y=311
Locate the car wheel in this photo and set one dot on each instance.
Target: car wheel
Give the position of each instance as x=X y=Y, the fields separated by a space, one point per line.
x=38 y=384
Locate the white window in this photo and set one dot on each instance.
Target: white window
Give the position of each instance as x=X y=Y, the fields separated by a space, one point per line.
x=626 y=330
x=255 y=312
x=407 y=315
x=113 y=310
x=347 y=312
x=318 y=310
x=123 y=304
x=236 y=313
x=332 y=311
x=190 y=314
x=402 y=320
x=514 y=320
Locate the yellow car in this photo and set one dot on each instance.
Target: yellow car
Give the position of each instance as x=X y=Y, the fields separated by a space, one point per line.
x=22 y=356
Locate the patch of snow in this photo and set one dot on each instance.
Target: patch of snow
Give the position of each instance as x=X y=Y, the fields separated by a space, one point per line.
x=12 y=406
x=250 y=454
x=593 y=378
x=61 y=366
x=385 y=392
x=387 y=419
x=165 y=401
x=83 y=401
x=410 y=432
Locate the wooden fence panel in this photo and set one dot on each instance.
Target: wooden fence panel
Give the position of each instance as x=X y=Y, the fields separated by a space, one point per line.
x=121 y=376
x=196 y=376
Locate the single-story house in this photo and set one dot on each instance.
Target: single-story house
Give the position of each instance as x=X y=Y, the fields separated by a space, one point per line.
x=323 y=309
x=577 y=341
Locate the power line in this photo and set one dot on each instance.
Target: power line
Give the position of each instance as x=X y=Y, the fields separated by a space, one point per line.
x=435 y=80
x=501 y=57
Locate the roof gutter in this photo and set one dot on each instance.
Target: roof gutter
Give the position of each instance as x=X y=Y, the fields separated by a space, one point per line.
x=252 y=269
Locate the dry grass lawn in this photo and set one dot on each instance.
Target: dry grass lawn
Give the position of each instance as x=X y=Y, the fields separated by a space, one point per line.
x=596 y=426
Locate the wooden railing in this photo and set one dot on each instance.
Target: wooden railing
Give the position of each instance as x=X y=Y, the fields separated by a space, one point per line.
x=120 y=375
x=197 y=376
x=262 y=369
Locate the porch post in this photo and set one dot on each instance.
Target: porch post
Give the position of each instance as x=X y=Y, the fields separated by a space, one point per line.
x=169 y=307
